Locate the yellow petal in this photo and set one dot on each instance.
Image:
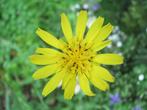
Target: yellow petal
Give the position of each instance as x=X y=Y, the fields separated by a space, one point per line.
x=48 y=51
x=94 y=29
x=66 y=28
x=104 y=33
x=103 y=73
x=53 y=83
x=101 y=45
x=49 y=39
x=70 y=88
x=97 y=82
x=45 y=71
x=84 y=84
x=43 y=59
x=109 y=59
x=81 y=24
x=66 y=79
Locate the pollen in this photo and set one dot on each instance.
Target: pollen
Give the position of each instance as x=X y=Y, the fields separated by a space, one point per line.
x=79 y=56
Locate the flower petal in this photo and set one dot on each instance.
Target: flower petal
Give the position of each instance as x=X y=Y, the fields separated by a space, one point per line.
x=94 y=29
x=70 y=88
x=66 y=28
x=99 y=46
x=81 y=24
x=66 y=79
x=103 y=73
x=104 y=33
x=43 y=59
x=109 y=59
x=45 y=71
x=84 y=84
x=48 y=51
x=53 y=83
x=49 y=39
x=97 y=82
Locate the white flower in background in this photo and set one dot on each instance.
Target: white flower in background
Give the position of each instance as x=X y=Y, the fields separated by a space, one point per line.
x=90 y=21
x=116 y=29
x=85 y=6
x=60 y=84
x=119 y=44
x=77 y=89
x=114 y=37
x=120 y=53
x=141 y=77
x=75 y=7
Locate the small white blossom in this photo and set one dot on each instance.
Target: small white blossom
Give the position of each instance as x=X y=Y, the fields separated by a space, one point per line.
x=119 y=44
x=141 y=77
x=90 y=21
x=77 y=89
x=85 y=6
x=77 y=6
x=114 y=37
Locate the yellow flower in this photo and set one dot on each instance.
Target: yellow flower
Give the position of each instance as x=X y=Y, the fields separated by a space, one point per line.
x=76 y=59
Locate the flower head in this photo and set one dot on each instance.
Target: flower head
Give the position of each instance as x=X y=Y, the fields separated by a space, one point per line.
x=76 y=58
x=115 y=98
x=137 y=107
x=96 y=7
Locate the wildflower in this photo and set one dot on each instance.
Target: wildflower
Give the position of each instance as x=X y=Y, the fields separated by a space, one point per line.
x=96 y=7
x=77 y=89
x=76 y=57
x=85 y=6
x=141 y=77
x=114 y=99
x=137 y=107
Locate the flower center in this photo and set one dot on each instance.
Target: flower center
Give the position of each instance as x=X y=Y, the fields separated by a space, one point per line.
x=78 y=57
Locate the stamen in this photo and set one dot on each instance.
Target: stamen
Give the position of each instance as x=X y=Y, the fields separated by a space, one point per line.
x=79 y=56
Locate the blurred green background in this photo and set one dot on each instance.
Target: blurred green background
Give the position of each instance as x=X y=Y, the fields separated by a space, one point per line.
x=20 y=18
